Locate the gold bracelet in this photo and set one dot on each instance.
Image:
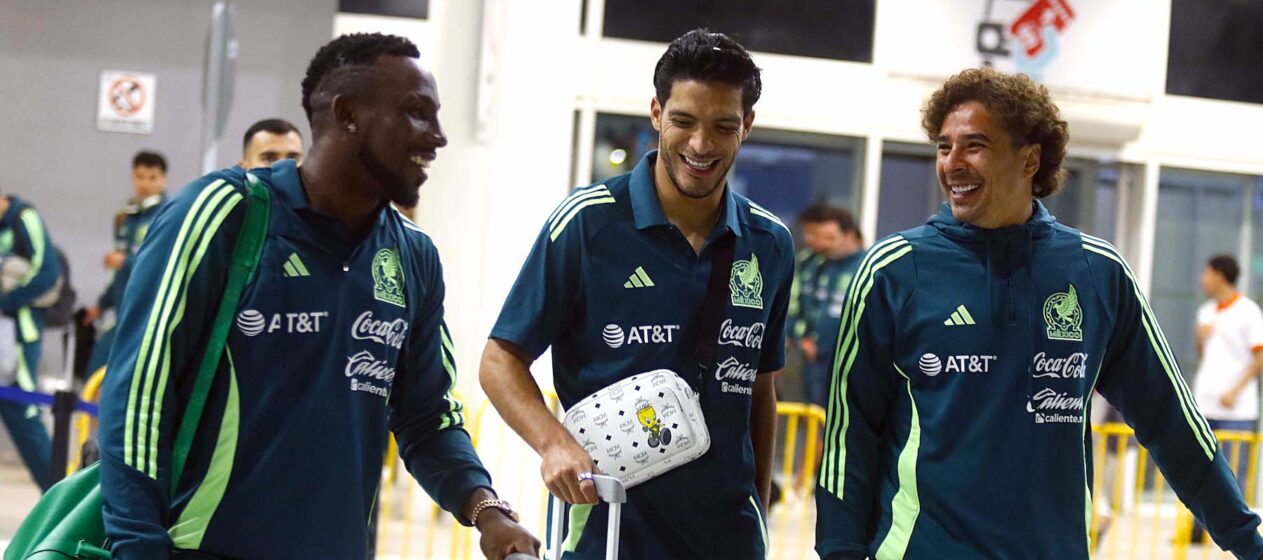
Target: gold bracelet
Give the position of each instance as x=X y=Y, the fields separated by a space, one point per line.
x=497 y=503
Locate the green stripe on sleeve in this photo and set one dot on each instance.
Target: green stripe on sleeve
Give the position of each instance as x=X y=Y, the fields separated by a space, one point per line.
x=574 y=202
x=848 y=347
x=165 y=368
x=132 y=442
x=454 y=406
x=26 y=326
x=574 y=194
x=34 y=231
x=188 y=531
x=578 y=521
x=1157 y=341
x=556 y=231
x=906 y=505
x=758 y=514
x=862 y=277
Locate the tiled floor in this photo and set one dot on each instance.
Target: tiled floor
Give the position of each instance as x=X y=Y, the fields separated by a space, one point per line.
x=1145 y=533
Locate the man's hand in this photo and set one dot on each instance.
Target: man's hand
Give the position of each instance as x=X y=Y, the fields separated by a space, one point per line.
x=502 y=536
x=564 y=461
x=808 y=346
x=114 y=259
x=1229 y=399
x=90 y=314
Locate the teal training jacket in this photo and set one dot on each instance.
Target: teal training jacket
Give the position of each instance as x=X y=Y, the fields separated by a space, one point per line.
x=958 y=416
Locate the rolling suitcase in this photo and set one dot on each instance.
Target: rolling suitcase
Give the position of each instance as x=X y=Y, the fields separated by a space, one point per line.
x=612 y=492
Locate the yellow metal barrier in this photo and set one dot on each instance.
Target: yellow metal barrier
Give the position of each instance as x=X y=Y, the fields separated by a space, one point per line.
x=791 y=522
x=1135 y=515
x=84 y=423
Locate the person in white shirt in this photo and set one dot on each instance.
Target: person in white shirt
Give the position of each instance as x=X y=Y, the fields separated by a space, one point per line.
x=1230 y=342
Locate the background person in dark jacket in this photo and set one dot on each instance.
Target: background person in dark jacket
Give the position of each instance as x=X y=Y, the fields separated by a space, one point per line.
x=149 y=184
x=23 y=236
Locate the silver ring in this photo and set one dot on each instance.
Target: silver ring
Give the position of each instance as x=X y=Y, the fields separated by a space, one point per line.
x=585 y=476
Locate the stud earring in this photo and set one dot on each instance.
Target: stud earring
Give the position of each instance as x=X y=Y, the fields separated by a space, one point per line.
x=350 y=127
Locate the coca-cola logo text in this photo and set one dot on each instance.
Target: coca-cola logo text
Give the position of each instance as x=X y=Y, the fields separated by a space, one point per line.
x=390 y=333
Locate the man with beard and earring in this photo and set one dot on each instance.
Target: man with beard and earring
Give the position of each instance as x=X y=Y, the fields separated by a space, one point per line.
x=958 y=421
x=614 y=285
x=337 y=336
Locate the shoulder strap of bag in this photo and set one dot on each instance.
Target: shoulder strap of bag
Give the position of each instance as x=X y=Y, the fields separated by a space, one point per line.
x=245 y=255
x=711 y=313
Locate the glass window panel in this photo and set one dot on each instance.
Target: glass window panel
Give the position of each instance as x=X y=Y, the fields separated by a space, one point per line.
x=836 y=29
x=909 y=192
x=1214 y=48
x=1252 y=272
x=1088 y=198
x=1199 y=215
x=419 y=9
x=780 y=170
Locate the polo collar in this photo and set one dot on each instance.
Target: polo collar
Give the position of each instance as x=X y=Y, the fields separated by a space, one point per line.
x=647 y=209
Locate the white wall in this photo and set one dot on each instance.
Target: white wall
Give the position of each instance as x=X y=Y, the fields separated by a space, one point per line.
x=51 y=55
x=490 y=192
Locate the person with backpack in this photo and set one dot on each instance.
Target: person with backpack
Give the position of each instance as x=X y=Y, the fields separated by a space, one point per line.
x=23 y=236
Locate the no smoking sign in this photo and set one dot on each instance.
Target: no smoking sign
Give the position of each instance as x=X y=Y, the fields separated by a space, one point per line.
x=126 y=102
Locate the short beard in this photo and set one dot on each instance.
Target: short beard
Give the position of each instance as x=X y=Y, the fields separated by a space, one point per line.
x=394 y=188
x=674 y=175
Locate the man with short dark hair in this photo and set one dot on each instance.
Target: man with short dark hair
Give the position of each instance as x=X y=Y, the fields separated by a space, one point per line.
x=634 y=254
x=838 y=247
x=269 y=141
x=969 y=351
x=339 y=336
x=1230 y=342
x=149 y=191
x=24 y=238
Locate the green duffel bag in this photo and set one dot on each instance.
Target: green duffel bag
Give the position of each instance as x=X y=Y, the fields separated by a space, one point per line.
x=67 y=521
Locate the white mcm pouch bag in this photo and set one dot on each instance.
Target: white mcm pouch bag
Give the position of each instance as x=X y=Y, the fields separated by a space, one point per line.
x=640 y=427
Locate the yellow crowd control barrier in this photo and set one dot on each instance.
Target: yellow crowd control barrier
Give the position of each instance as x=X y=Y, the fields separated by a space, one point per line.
x=515 y=469
x=85 y=424
x=792 y=520
x=1136 y=515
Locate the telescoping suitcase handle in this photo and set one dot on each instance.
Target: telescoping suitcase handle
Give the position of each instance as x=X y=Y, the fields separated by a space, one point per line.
x=611 y=491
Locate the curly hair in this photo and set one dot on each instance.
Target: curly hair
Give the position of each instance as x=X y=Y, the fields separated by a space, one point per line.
x=1022 y=107
x=339 y=60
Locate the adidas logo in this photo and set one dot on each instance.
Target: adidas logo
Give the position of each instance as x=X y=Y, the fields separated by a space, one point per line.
x=960 y=317
x=294 y=267
x=638 y=279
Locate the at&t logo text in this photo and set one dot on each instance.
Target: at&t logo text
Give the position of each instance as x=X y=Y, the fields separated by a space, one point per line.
x=931 y=365
x=253 y=323
x=615 y=337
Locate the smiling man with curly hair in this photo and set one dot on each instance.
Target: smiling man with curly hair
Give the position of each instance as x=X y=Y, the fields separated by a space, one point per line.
x=969 y=351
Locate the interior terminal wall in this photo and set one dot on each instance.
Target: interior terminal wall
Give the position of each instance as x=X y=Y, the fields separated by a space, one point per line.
x=52 y=53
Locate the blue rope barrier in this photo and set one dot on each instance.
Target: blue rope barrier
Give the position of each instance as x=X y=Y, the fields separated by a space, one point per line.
x=14 y=394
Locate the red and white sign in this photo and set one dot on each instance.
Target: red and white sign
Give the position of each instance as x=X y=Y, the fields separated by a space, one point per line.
x=1094 y=48
x=126 y=102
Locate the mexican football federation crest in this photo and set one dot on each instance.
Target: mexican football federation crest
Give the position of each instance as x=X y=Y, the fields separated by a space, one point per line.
x=746 y=284
x=388 y=277
x=1064 y=316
